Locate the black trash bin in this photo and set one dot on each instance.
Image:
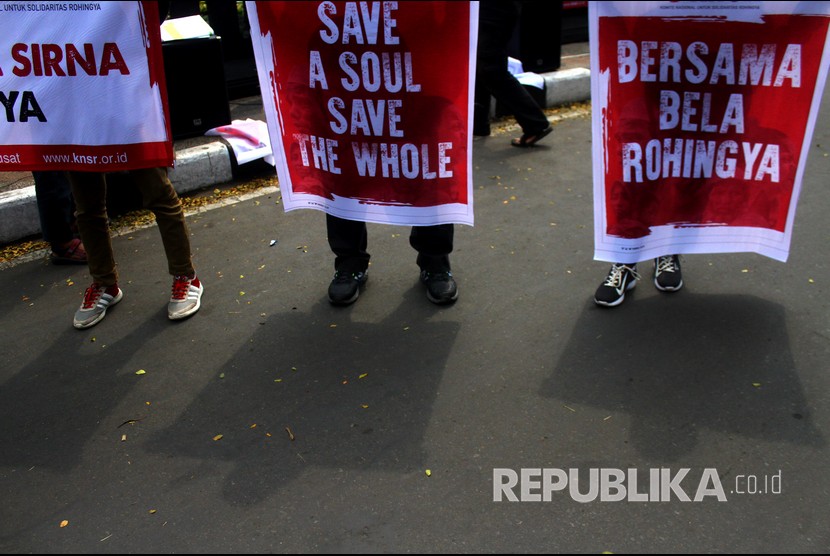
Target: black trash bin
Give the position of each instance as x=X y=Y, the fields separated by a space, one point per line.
x=537 y=39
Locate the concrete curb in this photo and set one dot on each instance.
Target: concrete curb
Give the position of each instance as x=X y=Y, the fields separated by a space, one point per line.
x=571 y=85
x=202 y=166
x=18 y=214
x=211 y=164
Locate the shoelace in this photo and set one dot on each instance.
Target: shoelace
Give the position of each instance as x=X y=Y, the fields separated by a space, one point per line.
x=181 y=284
x=91 y=296
x=342 y=277
x=615 y=276
x=666 y=264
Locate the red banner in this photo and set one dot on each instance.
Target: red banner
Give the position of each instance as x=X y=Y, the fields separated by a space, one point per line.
x=368 y=106
x=702 y=117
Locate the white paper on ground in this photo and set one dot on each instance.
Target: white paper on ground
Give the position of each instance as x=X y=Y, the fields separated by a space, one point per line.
x=248 y=139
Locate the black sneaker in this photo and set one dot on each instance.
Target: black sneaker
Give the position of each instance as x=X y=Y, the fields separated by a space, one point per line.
x=345 y=287
x=667 y=276
x=441 y=286
x=620 y=279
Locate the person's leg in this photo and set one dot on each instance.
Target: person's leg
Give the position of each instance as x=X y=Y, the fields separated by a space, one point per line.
x=508 y=91
x=434 y=245
x=481 y=109
x=348 y=240
x=55 y=206
x=56 y=211
x=89 y=189
x=496 y=24
x=160 y=197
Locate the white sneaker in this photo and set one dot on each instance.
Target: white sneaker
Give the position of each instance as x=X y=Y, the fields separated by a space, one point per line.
x=186 y=297
x=97 y=299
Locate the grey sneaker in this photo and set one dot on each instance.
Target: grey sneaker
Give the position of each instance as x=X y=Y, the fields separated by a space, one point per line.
x=97 y=299
x=186 y=297
x=667 y=276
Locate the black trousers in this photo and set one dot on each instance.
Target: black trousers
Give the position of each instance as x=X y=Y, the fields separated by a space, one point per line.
x=348 y=240
x=497 y=19
x=55 y=206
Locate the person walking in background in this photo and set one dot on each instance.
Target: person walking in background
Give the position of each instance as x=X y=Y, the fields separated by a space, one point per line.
x=159 y=196
x=497 y=20
x=56 y=211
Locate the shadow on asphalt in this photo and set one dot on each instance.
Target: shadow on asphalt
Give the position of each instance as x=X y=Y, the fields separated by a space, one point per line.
x=52 y=407
x=355 y=395
x=683 y=363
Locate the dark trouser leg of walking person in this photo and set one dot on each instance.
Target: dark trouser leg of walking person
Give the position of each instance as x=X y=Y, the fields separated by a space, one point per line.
x=496 y=24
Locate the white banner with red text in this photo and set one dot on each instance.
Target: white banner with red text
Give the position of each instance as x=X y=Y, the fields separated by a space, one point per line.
x=82 y=87
x=703 y=113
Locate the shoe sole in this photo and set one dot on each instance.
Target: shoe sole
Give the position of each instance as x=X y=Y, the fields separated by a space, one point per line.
x=667 y=289
x=180 y=316
x=536 y=138
x=345 y=302
x=100 y=317
x=630 y=286
x=442 y=301
x=352 y=299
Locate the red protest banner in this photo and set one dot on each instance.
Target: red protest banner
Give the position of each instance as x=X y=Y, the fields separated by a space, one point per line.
x=702 y=118
x=368 y=106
